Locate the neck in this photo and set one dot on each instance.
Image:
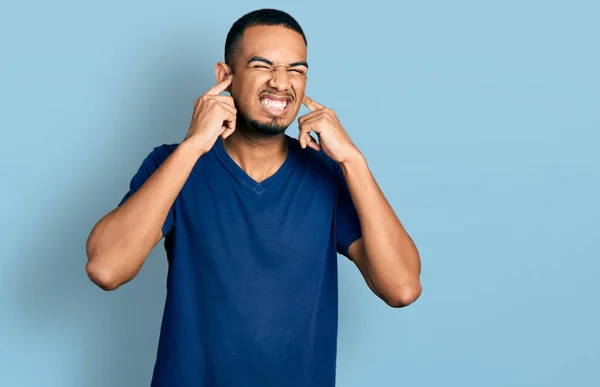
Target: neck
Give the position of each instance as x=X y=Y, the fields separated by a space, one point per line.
x=259 y=155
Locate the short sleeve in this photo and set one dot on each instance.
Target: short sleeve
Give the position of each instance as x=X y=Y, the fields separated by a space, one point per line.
x=148 y=167
x=347 y=223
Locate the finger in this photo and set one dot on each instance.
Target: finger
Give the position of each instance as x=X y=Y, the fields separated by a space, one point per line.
x=313 y=143
x=228 y=108
x=229 y=125
x=228 y=132
x=211 y=99
x=311 y=103
x=311 y=115
x=220 y=87
x=304 y=133
x=315 y=123
x=306 y=139
x=223 y=99
x=303 y=138
x=229 y=116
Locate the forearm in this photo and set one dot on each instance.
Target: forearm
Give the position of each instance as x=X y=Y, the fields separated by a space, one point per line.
x=391 y=262
x=121 y=241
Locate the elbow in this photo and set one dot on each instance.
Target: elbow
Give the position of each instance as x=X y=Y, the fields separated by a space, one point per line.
x=403 y=295
x=98 y=271
x=102 y=276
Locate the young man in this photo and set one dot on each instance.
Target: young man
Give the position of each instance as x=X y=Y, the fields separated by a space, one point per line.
x=253 y=220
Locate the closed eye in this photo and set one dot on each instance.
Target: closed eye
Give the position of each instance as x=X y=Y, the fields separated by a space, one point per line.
x=294 y=70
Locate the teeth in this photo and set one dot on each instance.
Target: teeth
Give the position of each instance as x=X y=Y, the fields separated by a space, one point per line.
x=274 y=104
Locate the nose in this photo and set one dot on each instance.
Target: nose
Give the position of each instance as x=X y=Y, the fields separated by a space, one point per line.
x=280 y=79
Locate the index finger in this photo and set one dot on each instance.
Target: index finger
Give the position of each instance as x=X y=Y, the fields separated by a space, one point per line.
x=311 y=103
x=220 y=87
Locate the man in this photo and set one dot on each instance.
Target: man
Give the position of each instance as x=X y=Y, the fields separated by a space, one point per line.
x=253 y=220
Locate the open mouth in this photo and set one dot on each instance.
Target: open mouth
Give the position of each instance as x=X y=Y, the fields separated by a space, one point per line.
x=275 y=105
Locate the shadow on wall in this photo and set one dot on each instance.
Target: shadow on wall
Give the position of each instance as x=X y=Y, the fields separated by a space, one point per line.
x=75 y=333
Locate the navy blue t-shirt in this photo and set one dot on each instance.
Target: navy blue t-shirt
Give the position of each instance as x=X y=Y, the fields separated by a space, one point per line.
x=252 y=290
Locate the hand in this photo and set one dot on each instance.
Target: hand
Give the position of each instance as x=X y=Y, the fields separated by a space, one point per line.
x=333 y=138
x=214 y=115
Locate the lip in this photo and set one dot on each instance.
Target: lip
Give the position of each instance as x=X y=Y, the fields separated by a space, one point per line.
x=272 y=111
x=275 y=97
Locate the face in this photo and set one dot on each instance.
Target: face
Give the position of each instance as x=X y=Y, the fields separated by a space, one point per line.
x=269 y=78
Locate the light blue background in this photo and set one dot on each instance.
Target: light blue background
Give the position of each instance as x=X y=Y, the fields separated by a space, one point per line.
x=480 y=122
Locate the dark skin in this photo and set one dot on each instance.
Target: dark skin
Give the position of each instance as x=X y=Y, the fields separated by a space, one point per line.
x=268 y=60
x=272 y=59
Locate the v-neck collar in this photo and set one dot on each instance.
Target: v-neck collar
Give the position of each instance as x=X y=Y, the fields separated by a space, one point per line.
x=243 y=177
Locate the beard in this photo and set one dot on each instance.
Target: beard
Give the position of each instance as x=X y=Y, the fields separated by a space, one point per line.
x=269 y=128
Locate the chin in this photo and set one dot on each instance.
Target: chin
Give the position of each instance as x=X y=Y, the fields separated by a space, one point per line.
x=271 y=128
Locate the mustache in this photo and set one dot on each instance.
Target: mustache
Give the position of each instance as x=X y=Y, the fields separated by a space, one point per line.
x=278 y=94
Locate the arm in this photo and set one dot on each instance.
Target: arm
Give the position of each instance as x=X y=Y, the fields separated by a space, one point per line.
x=385 y=255
x=122 y=240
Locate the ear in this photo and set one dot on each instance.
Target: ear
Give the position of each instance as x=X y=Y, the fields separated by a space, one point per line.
x=222 y=71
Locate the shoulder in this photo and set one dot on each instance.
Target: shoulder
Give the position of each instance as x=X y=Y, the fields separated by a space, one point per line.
x=157 y=156
x=161 y=152
x=316 y=162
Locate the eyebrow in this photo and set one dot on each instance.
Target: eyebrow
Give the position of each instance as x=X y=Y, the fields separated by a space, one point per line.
x=265 y=60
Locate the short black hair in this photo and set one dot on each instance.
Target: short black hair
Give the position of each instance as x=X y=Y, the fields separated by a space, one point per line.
x=259 y=17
